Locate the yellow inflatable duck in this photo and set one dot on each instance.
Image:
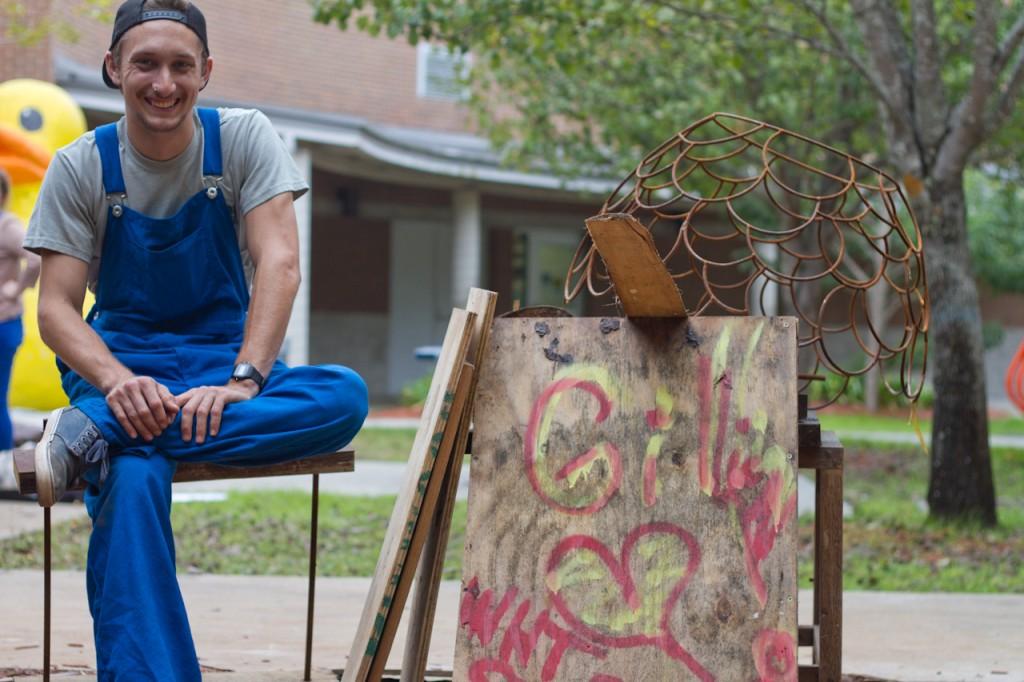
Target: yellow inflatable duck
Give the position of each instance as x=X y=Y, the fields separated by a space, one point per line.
x=36 y=119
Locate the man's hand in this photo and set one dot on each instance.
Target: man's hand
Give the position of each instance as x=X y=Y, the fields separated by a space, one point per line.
x=206 y=404
x=143 y=406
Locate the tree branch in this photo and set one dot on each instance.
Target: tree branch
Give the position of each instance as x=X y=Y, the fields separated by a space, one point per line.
x=845 y=51
x=1010 y=43
x=968 y=123
x=887 y=47
x=1010 y=93
x=930 y=99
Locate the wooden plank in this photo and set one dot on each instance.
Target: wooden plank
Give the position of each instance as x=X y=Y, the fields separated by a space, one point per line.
x=397 y=541
x=828 y=574
x=642 y=282
x=806 y=635
x=25 y=470
x=327 y=463
x=810 y=430
x=632 y=510
x=808 y=673
x=828 y=455
x=424 y=523
x=431 y=568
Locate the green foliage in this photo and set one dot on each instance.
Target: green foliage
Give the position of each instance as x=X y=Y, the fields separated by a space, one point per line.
x=590 y=85
x=26 y=27
x=855 y=392
x=996 y=230
x=415 y=392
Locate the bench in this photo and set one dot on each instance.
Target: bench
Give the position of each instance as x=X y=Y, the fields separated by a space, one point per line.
x=328 y=463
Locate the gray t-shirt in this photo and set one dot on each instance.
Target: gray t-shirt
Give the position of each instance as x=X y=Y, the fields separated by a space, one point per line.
x=70 y=216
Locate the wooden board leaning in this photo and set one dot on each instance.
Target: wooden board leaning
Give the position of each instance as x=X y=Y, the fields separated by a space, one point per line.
x=632 y=502
x=428 y=576
x=400 y=551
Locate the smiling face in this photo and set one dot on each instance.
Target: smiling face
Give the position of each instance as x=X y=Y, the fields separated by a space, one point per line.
x=160 y=73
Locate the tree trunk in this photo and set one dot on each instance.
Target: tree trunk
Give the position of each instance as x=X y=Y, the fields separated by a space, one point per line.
x=960 y=486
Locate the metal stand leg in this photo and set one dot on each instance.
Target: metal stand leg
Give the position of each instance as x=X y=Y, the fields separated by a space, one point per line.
x=312 y=575
x=46 y=594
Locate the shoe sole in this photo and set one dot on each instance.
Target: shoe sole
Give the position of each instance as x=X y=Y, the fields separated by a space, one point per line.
x=44 y=477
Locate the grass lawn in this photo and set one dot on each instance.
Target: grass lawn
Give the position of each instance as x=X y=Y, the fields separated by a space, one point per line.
x=254 y=533
x=997 y=426
x=889 y=543
x=390 y=445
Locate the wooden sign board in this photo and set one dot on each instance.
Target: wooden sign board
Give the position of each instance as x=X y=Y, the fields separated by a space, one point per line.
x=632 y=502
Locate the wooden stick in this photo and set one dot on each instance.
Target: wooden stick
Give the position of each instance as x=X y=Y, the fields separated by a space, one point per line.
x=431 y=567
x=424 y=521
x=371 y=637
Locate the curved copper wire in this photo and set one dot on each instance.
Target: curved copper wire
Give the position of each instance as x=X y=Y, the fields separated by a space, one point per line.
x=741 y=209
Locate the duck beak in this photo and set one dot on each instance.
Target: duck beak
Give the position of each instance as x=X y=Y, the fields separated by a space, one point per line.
x=24 y=160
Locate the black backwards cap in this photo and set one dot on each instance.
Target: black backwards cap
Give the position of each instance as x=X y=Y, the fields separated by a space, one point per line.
x=130 y=14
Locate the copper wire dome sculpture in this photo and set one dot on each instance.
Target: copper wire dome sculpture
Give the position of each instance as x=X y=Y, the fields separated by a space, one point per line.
x=752 y=219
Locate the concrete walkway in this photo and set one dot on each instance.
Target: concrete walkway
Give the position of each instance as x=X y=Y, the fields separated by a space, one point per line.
x=255 y=627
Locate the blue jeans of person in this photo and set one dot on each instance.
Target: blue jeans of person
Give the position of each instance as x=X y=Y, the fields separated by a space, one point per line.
x=10 y=338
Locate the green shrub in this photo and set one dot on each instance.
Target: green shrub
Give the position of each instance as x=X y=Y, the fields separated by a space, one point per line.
x=855 y=392
x=414 y=393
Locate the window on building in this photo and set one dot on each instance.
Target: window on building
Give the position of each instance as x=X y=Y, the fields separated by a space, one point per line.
x=540 y=260
x=438 y=71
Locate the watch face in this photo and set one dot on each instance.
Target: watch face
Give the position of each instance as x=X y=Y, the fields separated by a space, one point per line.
x=245 y=371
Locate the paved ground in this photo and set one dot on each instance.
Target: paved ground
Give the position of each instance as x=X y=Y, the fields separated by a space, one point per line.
x=255 y=626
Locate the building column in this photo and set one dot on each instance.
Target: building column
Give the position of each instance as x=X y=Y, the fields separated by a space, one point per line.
x=296 y=343
x=467 y=245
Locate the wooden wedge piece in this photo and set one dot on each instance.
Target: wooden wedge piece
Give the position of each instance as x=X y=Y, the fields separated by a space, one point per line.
x=642 y=282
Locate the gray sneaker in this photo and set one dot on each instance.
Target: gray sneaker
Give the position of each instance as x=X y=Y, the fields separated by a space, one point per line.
x=70 y=443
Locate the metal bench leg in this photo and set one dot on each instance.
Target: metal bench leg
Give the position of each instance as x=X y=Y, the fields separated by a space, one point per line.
x=46 y=594
x=312 y=575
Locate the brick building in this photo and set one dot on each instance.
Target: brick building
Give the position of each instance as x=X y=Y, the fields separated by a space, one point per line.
x=408 y=207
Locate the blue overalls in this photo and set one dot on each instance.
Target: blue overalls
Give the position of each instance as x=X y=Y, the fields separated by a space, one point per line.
x=171 y=304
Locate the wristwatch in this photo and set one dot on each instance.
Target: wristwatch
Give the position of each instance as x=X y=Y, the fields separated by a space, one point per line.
x=244 y=370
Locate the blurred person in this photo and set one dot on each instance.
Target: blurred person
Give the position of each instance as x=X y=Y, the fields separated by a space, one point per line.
x=181 y=218
x=19 y=270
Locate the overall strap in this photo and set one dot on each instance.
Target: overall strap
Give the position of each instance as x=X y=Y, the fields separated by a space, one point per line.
x=110 y=156
x=210 y=119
